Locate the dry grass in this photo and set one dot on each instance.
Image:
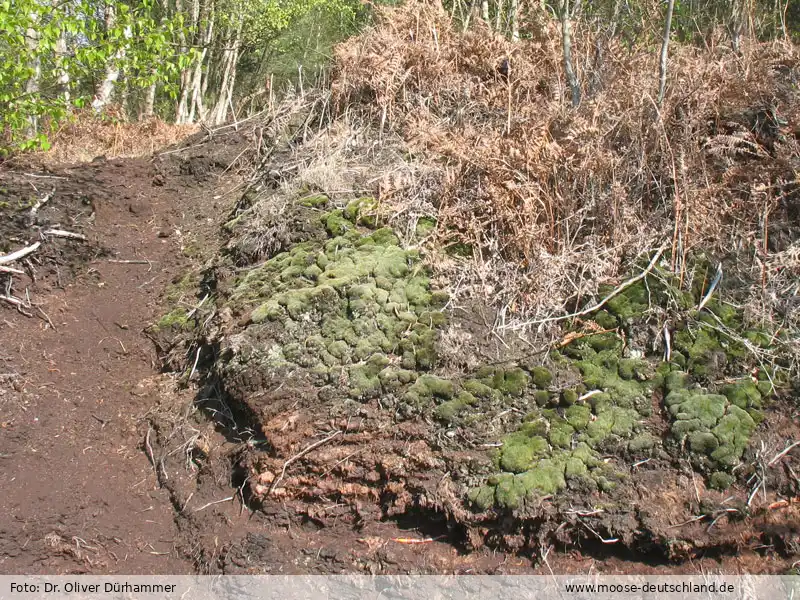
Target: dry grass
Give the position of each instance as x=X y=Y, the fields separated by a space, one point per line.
x=87 y=136
x=549 y=200
x=553 y=200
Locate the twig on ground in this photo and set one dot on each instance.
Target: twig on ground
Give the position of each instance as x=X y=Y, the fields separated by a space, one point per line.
x=44 y=314
x=130 y=262
x=300 y=455
x=39 y=204
x=65 y=234
x=22 y=252
x=194 y=310
x=150 y=451
x=711 y=288
x=15 y=301
x=692 y=520
x=44 y=176
x=11 y=270
x=228 y=499
x=782 y=453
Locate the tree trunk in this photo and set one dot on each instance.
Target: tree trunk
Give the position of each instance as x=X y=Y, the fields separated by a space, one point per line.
x=182 y=111
x=485 y=11
x=498 y=20
x=662 y=63
x=61 y=58
x=105 y=90
x=196 y=108
x=32 y=85
x=149 y=102
x=514 y=20
x=230 y=57
x=566 y=44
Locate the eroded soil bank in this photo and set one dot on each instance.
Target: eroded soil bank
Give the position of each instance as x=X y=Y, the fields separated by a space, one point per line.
x=327 y=408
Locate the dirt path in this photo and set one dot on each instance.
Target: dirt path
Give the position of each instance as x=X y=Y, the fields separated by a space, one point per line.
x=79 y=494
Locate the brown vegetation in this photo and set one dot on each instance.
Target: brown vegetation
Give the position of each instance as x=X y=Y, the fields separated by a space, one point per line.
x=564 y=198
x=87 y=136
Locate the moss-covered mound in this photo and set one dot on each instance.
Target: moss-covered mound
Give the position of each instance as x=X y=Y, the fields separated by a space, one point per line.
x=349 y=306
x=344 y=325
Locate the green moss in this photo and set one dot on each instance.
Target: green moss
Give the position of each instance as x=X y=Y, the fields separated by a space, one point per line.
x=629 y=304
x=642 y=442
x=560 y=434
x=578 y=416
x=629 y=368
x=604 y=341
x=602 y=374
x=708 y=409
x=425 y=226
x=733 y=432
x=379 y=237
x=586 y=455
x=725 y=313
x=720 y=480
x=759 y=339
x=336 y=224
x=704 y=351
x=175 y=319
x=569 y=397
x=542 y=378
x=744 y=394
x=428 y=387
x=393 y=379
x=546 y=478
x=362 y=211
x=541 y=397
x=482 y=497
x=520 y=451
x=511 y=381
x=606 y=320
x=314 y=201
x=702 y=442
x=448 y=411
x=478 y=388
x=714 y=429
x=365 y=382
x=575 y=468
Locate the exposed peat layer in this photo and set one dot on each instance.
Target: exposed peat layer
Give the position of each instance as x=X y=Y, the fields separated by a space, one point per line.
x=328 y=354
x=448 y=299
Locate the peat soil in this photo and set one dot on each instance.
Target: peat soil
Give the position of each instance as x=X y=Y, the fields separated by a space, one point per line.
x=111 y=466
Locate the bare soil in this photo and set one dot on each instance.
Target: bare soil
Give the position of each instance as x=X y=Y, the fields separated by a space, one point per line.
x=112 y=466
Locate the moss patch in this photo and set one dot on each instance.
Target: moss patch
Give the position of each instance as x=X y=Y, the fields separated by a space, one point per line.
x=354 y=301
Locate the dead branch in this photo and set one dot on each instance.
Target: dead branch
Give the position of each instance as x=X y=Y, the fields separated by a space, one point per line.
x=11 y=270
x=782 y=453
x=22 y=252
x=65 y=234
x=39 y=204
x=228 y=499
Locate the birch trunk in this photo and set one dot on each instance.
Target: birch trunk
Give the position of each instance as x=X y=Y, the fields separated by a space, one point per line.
x=105 y=90
x=182 y=111
x=32 y=85
x=230 y=57
x=61 y=57
x=514 y=20
x=149 y=102
x=662 y=63
x=566 y=45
